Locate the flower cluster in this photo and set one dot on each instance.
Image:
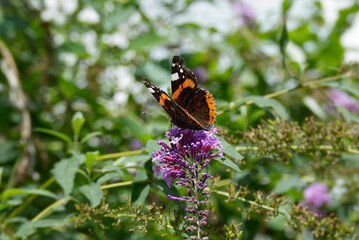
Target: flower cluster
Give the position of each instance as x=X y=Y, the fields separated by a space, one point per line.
x=245 y=11
x=341 y=98
x=184 y=160
x=316 y=196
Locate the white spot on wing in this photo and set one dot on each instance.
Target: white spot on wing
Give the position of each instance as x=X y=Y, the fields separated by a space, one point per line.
x=173 y=64
x=181 y=70
x=174 y=77
x=151 y=90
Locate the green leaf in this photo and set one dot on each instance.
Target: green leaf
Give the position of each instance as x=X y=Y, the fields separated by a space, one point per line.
x=110 y=176
x=93 y=193
x=230 y=150
x=348 y=117
x=286 y=5
x=347 y=88
x=29 y=228
x=132 y=158
x=91 y=158
x=295 y=68
x=78 y=121
x=17 y=191
x=267 y=102
x=75 y=48
x=286 y=183
x=345 y=113
x=64 y=173
x=153 y=71
x=112 y=20
x=284 y=39
x=279 y=221
x=152 y=146
x=228 y=163
x=283 y=42
x=314 y=106
x=146 y=42
x=1 y=171
x=9 y=151
x=162 y=186
x=4 y=236
x=55 y=134
x=140 y=193
x=90 y=135
x=149 y=168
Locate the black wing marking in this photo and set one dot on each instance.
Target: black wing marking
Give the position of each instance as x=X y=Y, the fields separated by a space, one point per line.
x=183 y=81
x=178 y=115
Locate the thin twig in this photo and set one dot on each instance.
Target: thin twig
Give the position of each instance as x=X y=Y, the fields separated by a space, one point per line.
x=245 y=200
x=295 y=147
x=118 y=155
x=122 y=184
x=310 y=84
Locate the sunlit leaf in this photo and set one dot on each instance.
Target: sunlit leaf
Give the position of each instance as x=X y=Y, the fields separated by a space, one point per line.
x=140 y=193
x=286 y=183
x=152 y=146
x=267 y=102
x=18 y=191
x=314 y=106
x=91 y=158
x=228 y=163
x=230 y=150
x=93 y=193
x=76 y=48
x=78 y=121
x=133 y=158
x=90 y=135
x=55 y=134
x=29 y=228
x=146 y=42
x=64 y=173
x=116 y=17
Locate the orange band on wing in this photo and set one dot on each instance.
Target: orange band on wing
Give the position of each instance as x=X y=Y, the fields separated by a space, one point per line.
x=212 y=107
x=187 y=83
x=163 y=98
x=193 y=119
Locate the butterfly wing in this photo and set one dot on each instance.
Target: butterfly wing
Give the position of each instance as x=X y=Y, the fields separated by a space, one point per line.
x=183 y=82
x=198 y=102
x=178 y=115
x=201 y=106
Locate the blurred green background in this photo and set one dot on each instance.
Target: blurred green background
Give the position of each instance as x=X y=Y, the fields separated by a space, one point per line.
x=59 y=57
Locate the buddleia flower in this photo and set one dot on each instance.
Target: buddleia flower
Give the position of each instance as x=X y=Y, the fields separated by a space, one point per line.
x=183 y=161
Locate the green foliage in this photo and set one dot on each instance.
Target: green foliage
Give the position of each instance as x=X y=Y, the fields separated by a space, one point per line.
x=93 y=193
x=64 y=173
x=79 y=128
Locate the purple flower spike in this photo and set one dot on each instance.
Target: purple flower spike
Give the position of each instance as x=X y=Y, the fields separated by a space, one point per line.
x=201 y=73
x=317 y=195
x=245 y=11
x=136 y=144
x=341 y=98
x=188 y=151
x=184 y=160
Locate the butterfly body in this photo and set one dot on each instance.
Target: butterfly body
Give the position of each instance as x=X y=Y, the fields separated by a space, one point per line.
x=191 y=107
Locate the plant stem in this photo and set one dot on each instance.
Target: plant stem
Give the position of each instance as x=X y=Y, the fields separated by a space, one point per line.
x=44 y=212
x=295 y=147
x=29 y=199
x=117 y=155
x=121 y=184
x=247 y=201
x=310 y=84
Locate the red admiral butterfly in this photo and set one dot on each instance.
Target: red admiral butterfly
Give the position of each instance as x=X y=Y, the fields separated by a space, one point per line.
x=192 y=107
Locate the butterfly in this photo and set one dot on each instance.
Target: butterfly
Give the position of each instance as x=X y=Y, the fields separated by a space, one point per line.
x=191 y=107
